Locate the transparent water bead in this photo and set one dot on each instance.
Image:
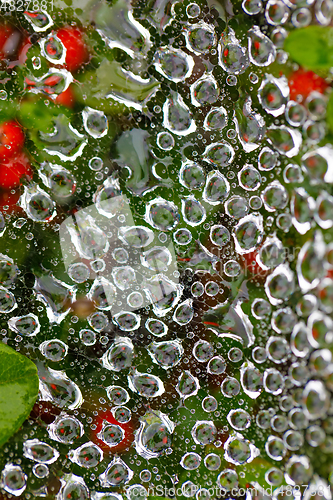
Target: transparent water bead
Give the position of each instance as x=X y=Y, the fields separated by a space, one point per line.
x=177 y=117
x=228 y=480
x=145 y=385
x=237 y=207
x=262 y=51
x=108 y=198
x=136 y=236
x=280 y=284
x=212 y=461
x=252 y=7
x=192 y=175
x=56 y=295
x=7 y=301
x=220 y=154
x=73 y=486
x=173 y=64
x=13 y=479
x=216 y=119
x=56 y=387
x=216 y=365
x=276 y=12
x=39 y=20
x=188 y=385
x=286 y=140
x=117 y=473
x=25 y=325
x=65 y=429
x=203 y=351
x=119 y=356
x=239 y=450
x=190 y=461
x=102 y=293
x=219 y=235
x=95 y=122
x=184 y=312
x=271 y=254
x=166 y=354
x=54 y=350
x=217 y=188
x=162 y=214
x=200 y=38
x=251 y=380
x=309 y=263
x=232 y=56
x=203 y=432
x=275 y=448
x=250 y=126
x=249 y=178
x=273 y=381
x=260 y=308
x=230 y=387
x=315 y=400
x=204 y=91
x=295 y=114
x=274 y=94
x=193 y=211
x=154 y=437
x=8 y=270
x=165 y=141
x=239 y=419
x=299 y=470
x=88 y=456
x=53 y=49
x=37 y=204
x=40 y=452
x=267 y=159
x=302 y=209
x=275 y=196
x=248 y=233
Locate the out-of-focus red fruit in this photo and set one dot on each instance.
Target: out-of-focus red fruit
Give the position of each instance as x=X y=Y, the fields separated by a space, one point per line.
x=13 y=170
x=9 y=41
x=304 y=82
x=76 y=48
x=11 y=140
x=66 y=98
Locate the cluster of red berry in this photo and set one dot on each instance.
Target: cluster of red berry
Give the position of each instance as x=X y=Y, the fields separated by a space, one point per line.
x=14 y=45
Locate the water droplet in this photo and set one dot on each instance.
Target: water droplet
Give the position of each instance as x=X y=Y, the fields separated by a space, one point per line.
x=173 y=64
x=95 y=122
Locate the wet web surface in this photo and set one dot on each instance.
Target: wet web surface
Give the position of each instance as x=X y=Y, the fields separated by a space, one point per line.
x=166 y=255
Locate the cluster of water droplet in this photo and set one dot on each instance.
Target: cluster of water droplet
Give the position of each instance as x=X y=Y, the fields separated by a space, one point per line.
x=189 y=341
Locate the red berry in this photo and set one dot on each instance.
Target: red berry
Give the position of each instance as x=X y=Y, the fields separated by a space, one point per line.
x=76 y=48
x=13 y=170
x=304 y=82
x=66 y=98
x=11 y=140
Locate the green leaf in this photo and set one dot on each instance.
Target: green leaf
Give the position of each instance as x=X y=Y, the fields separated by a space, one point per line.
x=329 y=113
x=311 y=47
x=109 y=86
x=18 y=390
x=38 y=113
